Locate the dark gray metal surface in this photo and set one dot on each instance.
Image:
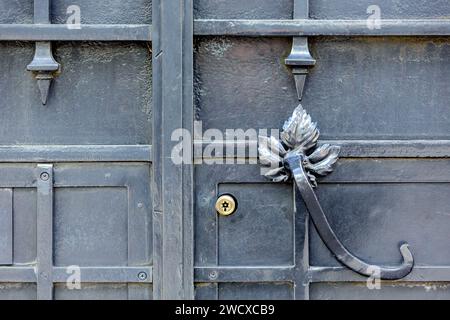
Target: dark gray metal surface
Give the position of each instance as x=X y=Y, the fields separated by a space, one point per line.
x=80 y=196
x=136 y=71
x=172 y=182
x=383 y=100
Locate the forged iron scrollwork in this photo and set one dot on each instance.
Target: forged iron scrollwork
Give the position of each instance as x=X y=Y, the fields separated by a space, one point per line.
x=298 y=156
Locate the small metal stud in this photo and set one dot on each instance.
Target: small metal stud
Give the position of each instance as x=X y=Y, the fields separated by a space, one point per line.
x=44 y=176
x=142 y=276
x=213 y=275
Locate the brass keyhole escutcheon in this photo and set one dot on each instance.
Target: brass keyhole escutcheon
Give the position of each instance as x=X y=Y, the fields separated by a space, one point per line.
x=226 y=205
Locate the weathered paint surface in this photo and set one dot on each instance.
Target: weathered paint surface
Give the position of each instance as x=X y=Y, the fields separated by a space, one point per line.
x=112 y=108
x=117 y=110
x=385 y=100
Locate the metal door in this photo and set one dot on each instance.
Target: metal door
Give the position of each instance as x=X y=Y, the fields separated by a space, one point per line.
x=377 y=86
x=93 y=205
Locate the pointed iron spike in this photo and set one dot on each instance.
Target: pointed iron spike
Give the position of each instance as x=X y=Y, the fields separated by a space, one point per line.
x=300 y=80
x=44 y=81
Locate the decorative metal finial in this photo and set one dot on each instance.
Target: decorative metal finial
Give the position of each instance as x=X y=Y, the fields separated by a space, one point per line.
x=44 y=66
x=297 y=156
x=301 y=61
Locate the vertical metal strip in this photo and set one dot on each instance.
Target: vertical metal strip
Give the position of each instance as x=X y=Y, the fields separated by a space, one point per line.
x=173 y=57
x=44 y=178
x=188 y=168
x=138 y=241
x=157 y=150
x=41 y=11
x=301 y=59
x=301 y=245
x=6 y=227
x=301 y=9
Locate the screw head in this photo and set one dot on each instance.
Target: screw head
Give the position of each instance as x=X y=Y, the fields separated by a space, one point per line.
x=142 y=276
x=213 y=275
x=45 y=176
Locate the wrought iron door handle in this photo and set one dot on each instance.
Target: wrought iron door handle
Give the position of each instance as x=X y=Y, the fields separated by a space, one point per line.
x=297 y=156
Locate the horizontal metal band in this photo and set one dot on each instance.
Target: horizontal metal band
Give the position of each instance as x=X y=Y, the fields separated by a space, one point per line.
x=88 y=274
x=107 y=274
x=392 y=148
x=76 y=153
x=252 y=28
x=311 y=27
x=340 y=274
x=315 y=274
x=352 y=148
x=86 y=32
x=244 y=274
x=17 y=274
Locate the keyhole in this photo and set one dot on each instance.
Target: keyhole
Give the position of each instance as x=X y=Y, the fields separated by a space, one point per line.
x=226 y=205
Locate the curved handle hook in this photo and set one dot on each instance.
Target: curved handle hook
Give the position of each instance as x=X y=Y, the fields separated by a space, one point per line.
x=329 y=237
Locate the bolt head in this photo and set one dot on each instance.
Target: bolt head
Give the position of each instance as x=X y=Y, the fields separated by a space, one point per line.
x=213 y=275
x=142 y=276
x=45 y=176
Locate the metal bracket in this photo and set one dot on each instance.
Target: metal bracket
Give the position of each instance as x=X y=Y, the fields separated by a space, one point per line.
x=297 y=156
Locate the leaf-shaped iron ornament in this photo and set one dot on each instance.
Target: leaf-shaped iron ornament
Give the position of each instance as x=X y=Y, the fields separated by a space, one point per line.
x=299 y=137
x=298 y=156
